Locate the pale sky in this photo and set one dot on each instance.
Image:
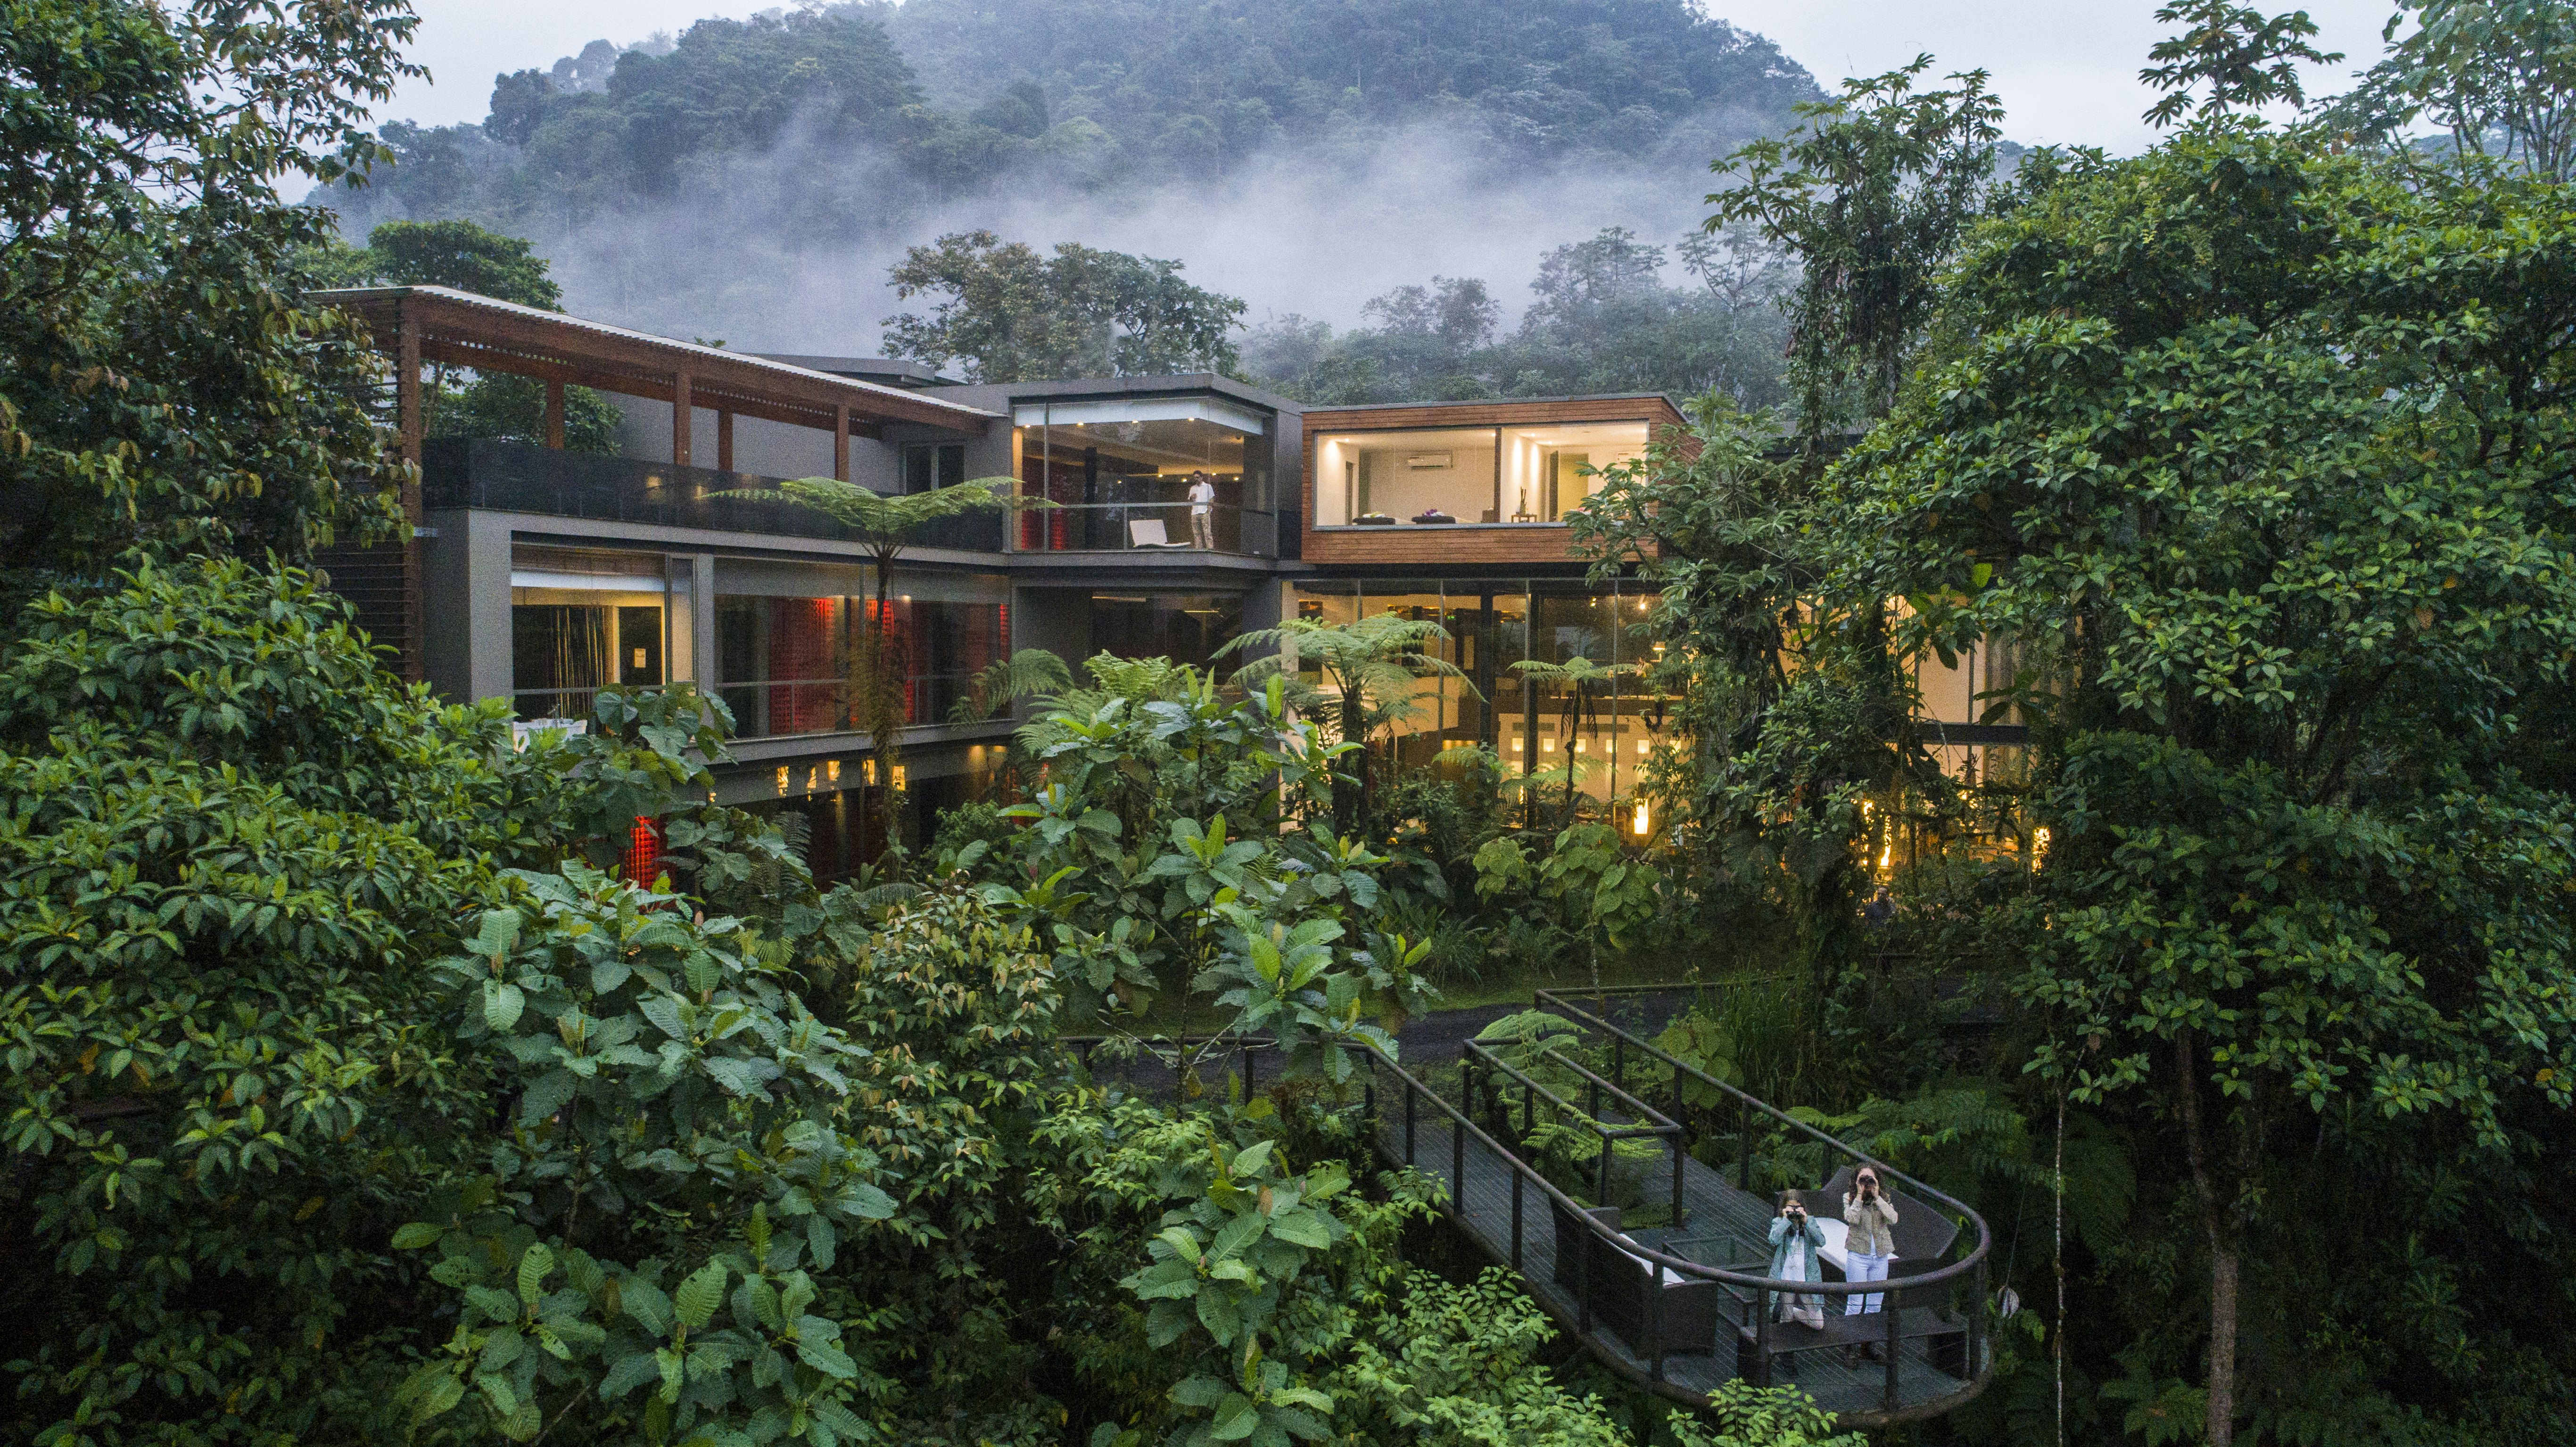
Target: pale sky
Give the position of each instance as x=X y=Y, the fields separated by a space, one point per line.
x=2067 y=69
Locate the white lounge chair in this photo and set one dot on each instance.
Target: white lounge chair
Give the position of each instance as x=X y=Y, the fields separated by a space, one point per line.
x=1149 y=534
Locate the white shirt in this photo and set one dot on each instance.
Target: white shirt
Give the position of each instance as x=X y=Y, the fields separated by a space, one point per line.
x=1201 y=494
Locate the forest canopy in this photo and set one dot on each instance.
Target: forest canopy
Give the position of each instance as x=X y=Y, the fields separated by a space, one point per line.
x=1126 y=92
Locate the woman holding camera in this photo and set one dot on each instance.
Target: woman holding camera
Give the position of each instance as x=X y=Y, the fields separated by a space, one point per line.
x=1795 y=1240
x=1869 y=1245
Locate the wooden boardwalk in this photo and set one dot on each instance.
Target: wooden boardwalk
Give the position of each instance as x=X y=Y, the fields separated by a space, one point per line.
x=1721 y=1226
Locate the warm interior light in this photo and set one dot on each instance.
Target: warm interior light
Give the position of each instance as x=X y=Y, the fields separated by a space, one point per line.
x=868 y=773
x=1641 y=746
x=1516 y=746
x=2038 y=847
x=898 y=776
x=1579 y=743
x=782 y=778
x=1640 y=824
x=1547 y=746
x=832 y=770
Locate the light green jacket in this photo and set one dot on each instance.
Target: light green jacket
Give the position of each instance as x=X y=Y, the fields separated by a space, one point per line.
x=1781 y=1237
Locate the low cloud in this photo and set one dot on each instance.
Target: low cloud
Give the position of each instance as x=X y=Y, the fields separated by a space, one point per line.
x=788 y=250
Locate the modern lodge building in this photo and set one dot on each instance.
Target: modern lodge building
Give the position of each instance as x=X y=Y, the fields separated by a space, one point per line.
x=542 y=575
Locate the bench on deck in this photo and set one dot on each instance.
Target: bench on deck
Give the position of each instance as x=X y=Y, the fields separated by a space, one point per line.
x=1923 y=1235
x=1684 y=1311
x=1948 y=1339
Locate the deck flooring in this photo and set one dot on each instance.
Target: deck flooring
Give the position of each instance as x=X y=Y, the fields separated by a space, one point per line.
x=1481 y=1197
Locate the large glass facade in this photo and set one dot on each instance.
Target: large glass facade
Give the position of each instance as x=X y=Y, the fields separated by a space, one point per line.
x=581 y=621
x=1590 y=704
x=1183 y=627
x=1383 y=479
x=783 y=664
x=1149 y=480
x=1445 y=476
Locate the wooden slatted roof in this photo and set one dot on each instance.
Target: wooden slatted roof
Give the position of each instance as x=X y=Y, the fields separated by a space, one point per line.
x=463 y=329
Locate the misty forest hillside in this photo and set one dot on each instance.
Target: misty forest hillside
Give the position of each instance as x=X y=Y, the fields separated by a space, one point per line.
x=960 y=92
x=757 y=174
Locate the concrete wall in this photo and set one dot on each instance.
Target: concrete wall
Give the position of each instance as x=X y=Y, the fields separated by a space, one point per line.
x=465 y=596
x=1055 y=619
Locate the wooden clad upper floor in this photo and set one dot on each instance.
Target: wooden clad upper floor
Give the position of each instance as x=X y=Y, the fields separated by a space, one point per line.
x=1463 y=482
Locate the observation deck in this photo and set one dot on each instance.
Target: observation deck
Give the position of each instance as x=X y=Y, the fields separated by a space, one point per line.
x=1683 y=1305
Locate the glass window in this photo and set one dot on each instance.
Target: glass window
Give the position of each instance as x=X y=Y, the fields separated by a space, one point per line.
x=1183 y=627
x=1119 y=485
x=1547 y=469
x=1389 y=479
x=568 y=643
x=783 y=663
x=1421 y=721
x=929 y=466
x=1490 y=625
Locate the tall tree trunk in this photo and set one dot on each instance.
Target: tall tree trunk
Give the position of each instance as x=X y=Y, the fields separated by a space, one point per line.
x=880 y=703
x=2223 y=1254
x=1573 y=716
x=1354 y=731
x=2222 y=1345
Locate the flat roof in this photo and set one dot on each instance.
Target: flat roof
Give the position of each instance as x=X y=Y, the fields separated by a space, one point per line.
x=1663 y=397
x=464 y=329
x=1104 y=388
x=896 y=373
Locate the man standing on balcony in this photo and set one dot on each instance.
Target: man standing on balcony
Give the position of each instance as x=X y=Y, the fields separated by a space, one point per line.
x=1202 y=497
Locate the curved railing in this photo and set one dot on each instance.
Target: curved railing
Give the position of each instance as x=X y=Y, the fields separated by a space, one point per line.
x=1967 y=1219
x=1649 y=1368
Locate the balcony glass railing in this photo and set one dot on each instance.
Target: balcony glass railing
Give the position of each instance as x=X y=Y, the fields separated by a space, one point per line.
x=1109 y=527
x=474 y=472
x=785 y=707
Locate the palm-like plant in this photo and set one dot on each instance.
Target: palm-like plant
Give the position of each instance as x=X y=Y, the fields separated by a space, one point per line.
x=885 y=523
x=1026 y=674
x=1584 y=682
x=1374 y=665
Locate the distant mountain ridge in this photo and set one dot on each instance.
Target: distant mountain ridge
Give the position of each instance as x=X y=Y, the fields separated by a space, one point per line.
x=947 y=97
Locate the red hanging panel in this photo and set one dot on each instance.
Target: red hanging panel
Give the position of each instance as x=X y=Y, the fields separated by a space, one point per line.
x=803 y=700
x=643 y=861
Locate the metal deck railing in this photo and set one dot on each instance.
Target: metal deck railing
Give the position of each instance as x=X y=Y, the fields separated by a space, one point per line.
x=1683 y=1306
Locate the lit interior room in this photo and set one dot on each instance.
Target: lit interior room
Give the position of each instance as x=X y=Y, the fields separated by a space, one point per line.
x=1466 y=475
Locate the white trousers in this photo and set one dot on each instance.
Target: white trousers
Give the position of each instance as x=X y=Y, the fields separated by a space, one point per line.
x=1858 y=1267
x=1202 y=528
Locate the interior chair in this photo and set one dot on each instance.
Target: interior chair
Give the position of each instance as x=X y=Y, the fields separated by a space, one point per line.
x=1148 y=533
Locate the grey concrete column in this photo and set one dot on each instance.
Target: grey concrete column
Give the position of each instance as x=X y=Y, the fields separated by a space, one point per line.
x=465 y=596
x=702 y=622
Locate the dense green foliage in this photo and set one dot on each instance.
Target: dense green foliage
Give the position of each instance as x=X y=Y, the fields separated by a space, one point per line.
x=1010 y=315
x=1869 y=193
x=2495 y=77
x=1601 y=319
x=158 y=386
x=354 y=1095
x=464 y=256
x=229 y=839
x=1175 y=89
x=2249 y=451
x=954 y=96
x=350 y=1100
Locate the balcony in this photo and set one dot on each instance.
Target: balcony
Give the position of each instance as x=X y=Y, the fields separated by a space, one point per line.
x=475 y=472
x=1123 y=526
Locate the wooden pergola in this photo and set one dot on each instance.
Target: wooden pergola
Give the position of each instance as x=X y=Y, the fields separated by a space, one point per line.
x=437 y=324
x=416 y=324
